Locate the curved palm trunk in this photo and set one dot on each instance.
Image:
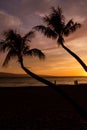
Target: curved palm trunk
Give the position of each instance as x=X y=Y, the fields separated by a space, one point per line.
x=78 y=108
x=76 y=57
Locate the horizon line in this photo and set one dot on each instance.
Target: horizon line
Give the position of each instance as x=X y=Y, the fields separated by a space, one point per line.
x=8 y=73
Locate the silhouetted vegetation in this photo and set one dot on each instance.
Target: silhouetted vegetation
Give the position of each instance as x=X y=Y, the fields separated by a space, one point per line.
x=17 y=46
x=56 y=28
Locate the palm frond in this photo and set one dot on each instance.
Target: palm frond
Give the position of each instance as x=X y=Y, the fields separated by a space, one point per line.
x=75 y=27
x=41 y=28
x=10 y=34
x=71 y=27
x=46 y=31
x=35 y=52
x=7 y=45
x=1 y=46
x=46 y=19
x=29 y=35
x=10 y=54
x=26 y=49
x=16 y=45
x=57 y=15
x=55 y=20
x=66 y=29
x=56 y=11
x=4 y=46
x=69 y=24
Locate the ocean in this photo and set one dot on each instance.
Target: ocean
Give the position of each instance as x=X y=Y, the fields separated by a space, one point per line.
x=28 y=81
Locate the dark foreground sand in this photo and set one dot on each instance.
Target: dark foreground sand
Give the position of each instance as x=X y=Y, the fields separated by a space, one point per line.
x=41 y=108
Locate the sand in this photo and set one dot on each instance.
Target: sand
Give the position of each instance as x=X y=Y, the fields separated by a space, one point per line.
x=41 y=108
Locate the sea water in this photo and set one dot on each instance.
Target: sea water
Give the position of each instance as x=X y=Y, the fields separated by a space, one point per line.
x=28 y=81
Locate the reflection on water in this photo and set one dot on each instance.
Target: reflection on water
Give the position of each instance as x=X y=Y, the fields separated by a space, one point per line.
x=27 y=81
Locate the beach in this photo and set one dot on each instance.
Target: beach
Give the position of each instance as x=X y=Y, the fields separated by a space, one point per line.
x=42 y=108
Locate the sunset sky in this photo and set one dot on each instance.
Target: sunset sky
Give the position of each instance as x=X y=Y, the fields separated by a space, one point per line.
x=24 y=14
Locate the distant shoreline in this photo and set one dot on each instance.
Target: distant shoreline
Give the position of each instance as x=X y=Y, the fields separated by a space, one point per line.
x=3 y=74
x=57 y=85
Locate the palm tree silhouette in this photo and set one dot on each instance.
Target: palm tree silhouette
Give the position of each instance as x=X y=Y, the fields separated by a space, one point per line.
x=17 y=46
x=57 y=28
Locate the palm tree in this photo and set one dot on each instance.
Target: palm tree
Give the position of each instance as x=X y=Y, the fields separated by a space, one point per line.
x=17 y=46
x=56 y=28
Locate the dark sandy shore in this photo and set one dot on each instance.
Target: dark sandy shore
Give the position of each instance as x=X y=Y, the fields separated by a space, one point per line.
x=41 y=108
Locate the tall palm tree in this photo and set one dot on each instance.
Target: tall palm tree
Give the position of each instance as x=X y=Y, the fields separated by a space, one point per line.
x=17 y=46
x=56 y=28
